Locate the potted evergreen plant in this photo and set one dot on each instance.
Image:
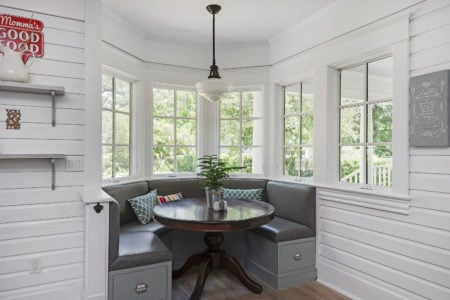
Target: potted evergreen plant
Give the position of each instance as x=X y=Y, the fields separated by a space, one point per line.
x=213 y=172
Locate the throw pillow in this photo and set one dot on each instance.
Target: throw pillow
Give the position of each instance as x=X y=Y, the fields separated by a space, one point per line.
x=168 y=198
x=143 y=206
x=243 y=194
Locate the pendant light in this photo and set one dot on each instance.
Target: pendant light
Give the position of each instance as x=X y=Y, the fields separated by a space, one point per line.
x=214 y=87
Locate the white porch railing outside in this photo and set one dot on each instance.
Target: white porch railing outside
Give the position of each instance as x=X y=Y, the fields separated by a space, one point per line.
x=380 y=175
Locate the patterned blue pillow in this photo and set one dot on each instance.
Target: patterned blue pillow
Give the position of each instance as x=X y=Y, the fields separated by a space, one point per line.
x=244 y=194
x=143 y=206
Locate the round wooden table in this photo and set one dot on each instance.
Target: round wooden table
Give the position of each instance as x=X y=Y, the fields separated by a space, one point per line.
x=192 y=214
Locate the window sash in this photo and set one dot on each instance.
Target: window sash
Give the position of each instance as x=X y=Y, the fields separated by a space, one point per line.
x=175 y=146
x=364 y=126
x=114 y=112
x=241 y=119
x=300 y=114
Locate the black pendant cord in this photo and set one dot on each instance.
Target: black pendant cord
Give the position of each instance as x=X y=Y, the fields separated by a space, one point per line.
x=214 y=69
x=214 y=39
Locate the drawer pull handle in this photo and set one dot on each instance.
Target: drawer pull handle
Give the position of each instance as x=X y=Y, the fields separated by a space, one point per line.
x=141 y=288
x=297 y=256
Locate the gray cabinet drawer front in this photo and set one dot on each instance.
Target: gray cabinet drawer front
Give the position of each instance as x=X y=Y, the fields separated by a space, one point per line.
x=297 y=255
x=142 y=284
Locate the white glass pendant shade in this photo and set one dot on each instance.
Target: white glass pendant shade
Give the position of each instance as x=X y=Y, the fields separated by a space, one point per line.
x=213 y=88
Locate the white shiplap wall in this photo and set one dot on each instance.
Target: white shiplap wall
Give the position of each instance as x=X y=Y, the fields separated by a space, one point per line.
x=35 y=222
x=372 y=254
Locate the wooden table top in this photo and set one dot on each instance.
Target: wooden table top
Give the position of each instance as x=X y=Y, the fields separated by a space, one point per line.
x=192 y=214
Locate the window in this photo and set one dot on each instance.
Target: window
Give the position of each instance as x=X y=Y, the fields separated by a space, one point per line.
x=365 y=142
x=240 y=127
x=174 y=130
x=116 y=126
x=298 y=130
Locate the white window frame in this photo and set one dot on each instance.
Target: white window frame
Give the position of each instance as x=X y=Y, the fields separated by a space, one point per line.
x=400 y=120
x=242 y=89
x=300 y=115
x=134 y=86
x=363 y=126
x=174 y=87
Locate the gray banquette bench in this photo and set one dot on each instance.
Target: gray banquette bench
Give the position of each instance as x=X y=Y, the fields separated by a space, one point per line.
x=141 y=257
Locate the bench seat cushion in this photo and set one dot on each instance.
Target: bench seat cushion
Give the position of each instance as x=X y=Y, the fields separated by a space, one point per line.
x=158 y=229
x=282 y=230
x=140 y=249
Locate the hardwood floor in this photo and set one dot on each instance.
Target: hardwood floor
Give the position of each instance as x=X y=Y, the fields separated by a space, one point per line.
x=222 y=285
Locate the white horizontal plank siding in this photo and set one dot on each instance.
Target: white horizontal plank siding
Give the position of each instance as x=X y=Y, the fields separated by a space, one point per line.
x=405 y=247
x=430 y=182
x=21 y=263
x=339 y=276
x=41 y=146
x=48 y=243
x=18 y=198
x=36 y=222
x=50 y=274
x=386 y=273
x=416 y=216
x=66 y=289
x=430 y=164
x=41 y=212
x=44 y=115
x=38 y=179
x=40 y=228
x=44 y=132
x=64 y=53
x=71 y=101
x=430 y=236
x=431 y=200
x=72 y=85
x=57 y=68
x=370 y=253
x=63 y=37
x=395 y=261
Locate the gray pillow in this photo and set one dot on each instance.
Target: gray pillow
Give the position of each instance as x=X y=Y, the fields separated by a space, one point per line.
x=143 y=206
x=243 y=194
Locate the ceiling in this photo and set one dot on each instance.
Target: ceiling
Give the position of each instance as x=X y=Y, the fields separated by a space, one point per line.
x=238 y=21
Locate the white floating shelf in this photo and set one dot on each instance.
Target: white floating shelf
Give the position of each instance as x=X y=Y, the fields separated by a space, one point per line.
x=51 y=157
x=32 y=156
x=17 y=87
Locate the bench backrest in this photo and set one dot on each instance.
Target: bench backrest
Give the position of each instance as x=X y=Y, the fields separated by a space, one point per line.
x=294 y=202
x=121 y=193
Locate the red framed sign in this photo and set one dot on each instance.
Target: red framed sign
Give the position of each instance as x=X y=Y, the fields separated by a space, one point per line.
x=20 y=33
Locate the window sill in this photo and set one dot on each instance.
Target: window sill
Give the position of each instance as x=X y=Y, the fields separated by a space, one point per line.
x=369 y=198
x=114 y=181
x=379 y=199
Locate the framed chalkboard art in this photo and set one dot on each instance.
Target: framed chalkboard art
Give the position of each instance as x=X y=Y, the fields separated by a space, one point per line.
x=429 y=110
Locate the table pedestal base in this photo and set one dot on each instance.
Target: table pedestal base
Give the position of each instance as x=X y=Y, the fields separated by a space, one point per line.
x=212 y=258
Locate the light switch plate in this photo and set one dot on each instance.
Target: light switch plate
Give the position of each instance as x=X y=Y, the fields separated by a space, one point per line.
x=74 y=163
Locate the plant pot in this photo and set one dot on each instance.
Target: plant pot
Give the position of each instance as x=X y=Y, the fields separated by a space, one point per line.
x=213 y=195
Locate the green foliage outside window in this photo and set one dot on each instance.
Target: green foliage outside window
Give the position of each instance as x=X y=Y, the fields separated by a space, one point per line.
x=116 y=120
x=298 y=130
x=174 y=130
x=241 y=130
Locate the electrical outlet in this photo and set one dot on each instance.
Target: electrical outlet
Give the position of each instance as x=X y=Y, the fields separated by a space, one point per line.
x=74 y=163
x=35 y=265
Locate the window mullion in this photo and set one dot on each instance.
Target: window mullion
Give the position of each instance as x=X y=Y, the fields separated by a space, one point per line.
x=300 y=121
x=175 y=164
x=366 y=124
x=241 y=130
x=113 y=148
